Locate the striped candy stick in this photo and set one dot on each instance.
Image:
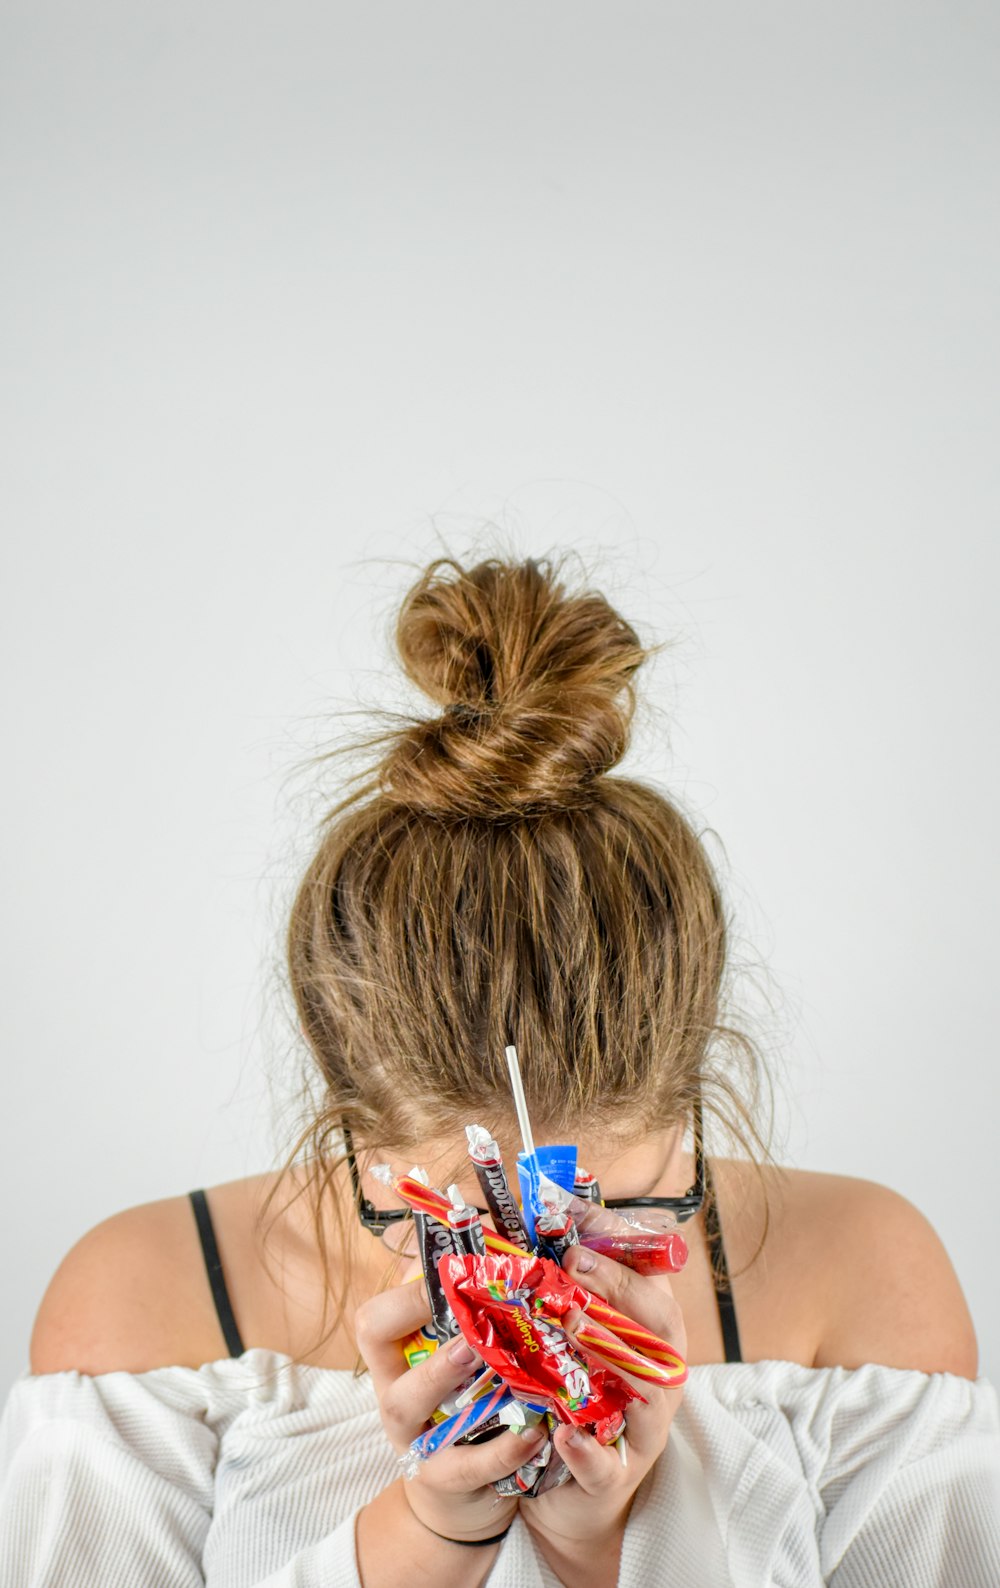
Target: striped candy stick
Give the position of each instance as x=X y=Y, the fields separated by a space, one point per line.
x=422 y=1198
x=617 y=1354
x=642 y=1340
x=463 y=1422
x=501 y=1245
x=425 y=1199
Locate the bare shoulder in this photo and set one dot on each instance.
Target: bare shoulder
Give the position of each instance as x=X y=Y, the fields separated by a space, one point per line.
x=850 y=1272
x=890 y=1293
x=133 y=1294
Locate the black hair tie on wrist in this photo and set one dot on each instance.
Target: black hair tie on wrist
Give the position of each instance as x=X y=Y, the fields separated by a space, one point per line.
x=470 y=1543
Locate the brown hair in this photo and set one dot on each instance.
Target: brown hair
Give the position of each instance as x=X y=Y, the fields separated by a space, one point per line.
x=489 y=883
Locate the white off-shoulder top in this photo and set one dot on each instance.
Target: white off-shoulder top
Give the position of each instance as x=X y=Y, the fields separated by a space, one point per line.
x=248 y=1472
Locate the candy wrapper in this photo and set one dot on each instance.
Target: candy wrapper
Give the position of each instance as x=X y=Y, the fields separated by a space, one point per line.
x=648 y=1241
x=463 y=1424
x=493 y=1182
x=508 y=1309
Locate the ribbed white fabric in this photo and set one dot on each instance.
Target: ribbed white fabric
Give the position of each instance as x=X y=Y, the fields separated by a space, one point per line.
x=248 y=1473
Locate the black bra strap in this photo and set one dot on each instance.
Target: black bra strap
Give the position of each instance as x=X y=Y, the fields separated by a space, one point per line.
x=720 y=1272
x=213 y=1262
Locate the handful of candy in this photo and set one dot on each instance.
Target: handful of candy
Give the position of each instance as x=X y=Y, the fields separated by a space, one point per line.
x=505 y=1291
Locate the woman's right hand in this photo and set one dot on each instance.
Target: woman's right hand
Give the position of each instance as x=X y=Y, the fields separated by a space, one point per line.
x=452 y=1491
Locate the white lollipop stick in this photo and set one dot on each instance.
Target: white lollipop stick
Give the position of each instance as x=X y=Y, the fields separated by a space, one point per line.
x=474 y=1386
x=522 y=1108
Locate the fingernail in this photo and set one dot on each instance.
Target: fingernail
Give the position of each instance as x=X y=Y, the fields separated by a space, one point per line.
x=533 y=1435
x=577 y=1439
x=462 y=1353
x=583 y=1260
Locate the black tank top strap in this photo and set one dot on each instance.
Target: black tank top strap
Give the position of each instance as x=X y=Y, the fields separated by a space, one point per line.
x=216 y=1278
x=720 y=1272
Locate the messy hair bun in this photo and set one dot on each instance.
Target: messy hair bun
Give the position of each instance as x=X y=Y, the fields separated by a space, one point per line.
x=535 y=683
x=489 y=883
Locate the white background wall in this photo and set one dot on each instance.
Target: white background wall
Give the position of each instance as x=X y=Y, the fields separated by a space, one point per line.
x=708 y=292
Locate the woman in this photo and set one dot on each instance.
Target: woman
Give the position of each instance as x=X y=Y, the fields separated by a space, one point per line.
x=491 y=884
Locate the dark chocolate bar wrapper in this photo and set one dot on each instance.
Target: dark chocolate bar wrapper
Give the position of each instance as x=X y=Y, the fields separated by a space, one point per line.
x=495 y=1186
x=435 y=1240
x=587 y=1187
x=466 y=1231
x=487 y=1430
x=556 y=1234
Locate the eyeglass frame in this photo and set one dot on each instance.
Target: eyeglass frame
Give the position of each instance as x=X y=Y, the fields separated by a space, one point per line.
x=378 y=1220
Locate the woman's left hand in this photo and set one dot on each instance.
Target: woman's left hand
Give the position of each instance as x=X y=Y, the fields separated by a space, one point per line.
x=580 y=1525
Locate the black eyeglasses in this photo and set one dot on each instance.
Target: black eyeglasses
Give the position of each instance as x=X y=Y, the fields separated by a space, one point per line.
x=378 y=1220
x=685 y=1207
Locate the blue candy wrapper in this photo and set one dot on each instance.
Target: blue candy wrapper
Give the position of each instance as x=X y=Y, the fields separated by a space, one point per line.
x=558 y=1161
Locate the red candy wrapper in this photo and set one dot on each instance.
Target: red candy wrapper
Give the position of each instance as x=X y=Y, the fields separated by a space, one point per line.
x=508 y=1309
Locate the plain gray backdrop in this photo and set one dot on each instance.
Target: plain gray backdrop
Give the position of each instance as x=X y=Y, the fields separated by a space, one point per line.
x=295 y=298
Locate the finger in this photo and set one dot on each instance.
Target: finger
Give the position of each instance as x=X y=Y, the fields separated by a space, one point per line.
x=380 y=1325
x=462 y=1468
x=593 y=1465
x=647 y=1299
x=647 y=1423
x=408 y=1401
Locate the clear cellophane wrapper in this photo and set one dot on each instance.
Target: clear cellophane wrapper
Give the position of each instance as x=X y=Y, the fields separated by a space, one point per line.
x=646 y=1239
